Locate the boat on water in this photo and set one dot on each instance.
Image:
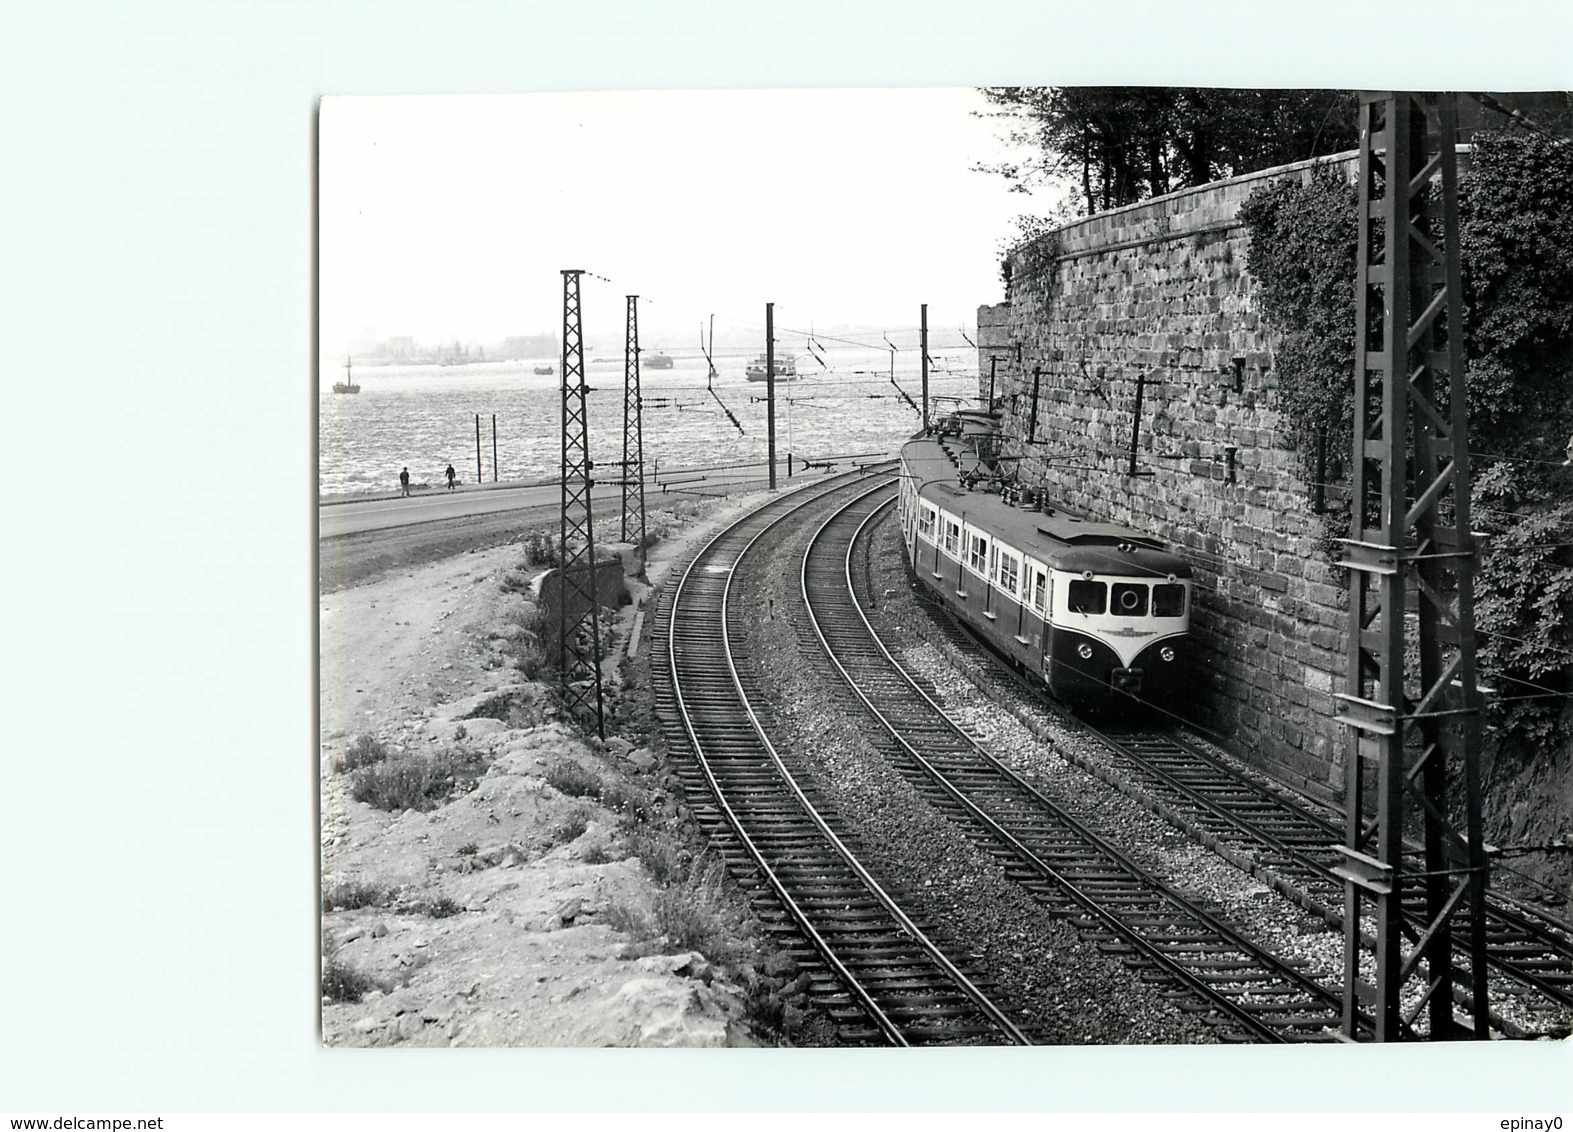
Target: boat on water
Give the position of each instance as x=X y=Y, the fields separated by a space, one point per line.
x=544 y=369
x=348 y=384
x=785 y=368
x=656 y=361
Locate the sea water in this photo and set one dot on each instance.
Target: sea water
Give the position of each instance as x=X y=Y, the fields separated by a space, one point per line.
x=423 y=416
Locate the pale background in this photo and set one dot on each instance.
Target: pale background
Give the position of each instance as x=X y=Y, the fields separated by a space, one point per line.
x=157 y=284
x=450 y=217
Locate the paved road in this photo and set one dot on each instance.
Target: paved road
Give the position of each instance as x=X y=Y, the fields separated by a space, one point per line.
x=354 y=516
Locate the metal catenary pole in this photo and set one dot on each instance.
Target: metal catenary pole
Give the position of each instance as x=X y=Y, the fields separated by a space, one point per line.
x=770 y=389
x=578 y=613
x=494 y=447
x=1414 y=735
x=478 y=449
x=924 y=350
x=633 y=438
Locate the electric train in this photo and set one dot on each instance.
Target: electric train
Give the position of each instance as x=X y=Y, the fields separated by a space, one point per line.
x=1099 y=612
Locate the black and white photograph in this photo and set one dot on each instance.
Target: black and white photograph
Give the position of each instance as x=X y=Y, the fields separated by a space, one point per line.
x=885 y=564
x=977 y=566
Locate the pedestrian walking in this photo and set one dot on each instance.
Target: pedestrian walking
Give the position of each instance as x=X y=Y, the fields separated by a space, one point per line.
x=450 y=477
x=404 y=481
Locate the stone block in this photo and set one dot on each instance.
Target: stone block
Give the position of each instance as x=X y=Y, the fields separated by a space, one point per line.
x=1324 y=638
x=1274 y=583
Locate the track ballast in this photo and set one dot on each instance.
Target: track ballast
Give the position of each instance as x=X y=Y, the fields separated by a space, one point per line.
x=1109 y=896
x=880 y=976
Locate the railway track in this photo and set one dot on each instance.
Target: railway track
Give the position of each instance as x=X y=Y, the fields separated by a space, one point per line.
x=1167 y=937
x=879 y=975
x=1290 y=847
x=1276 y=838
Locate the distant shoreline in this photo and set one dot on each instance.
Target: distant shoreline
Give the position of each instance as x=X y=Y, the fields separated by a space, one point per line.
x=658 y=476
x=371 y=493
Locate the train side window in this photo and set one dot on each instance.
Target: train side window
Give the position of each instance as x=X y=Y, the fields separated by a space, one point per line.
x=926 y=516
x=1009 y=571
x=1168 y=601
x=1040 y=586
x=952 y=538
x=1130 y=599
x=1087 y=597
x=978 y=553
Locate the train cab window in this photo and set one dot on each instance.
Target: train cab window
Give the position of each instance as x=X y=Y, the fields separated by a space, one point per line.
x=952 y=538
x=926 y=517
x=1168 y=601
x=1087 y=597
x=1009 y=571
x=1040 y=587
x=978 y=554
x=1130 y=599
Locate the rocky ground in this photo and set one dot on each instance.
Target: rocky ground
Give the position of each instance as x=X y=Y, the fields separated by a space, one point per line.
x=538 y=889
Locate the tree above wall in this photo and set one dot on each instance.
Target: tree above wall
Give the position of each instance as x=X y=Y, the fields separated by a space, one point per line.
x=1118 y=145
x=1115 y=145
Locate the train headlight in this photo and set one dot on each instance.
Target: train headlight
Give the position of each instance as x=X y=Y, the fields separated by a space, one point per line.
x=1166 y=652
x=1087 y=574
x=1084 y=650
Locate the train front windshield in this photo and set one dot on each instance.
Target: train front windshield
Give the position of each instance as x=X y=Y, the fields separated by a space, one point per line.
x=1123 y=598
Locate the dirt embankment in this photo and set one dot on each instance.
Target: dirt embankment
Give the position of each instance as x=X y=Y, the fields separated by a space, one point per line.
x=506 y=882
x=352 y=560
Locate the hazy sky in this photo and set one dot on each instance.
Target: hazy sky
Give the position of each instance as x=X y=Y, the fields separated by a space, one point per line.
x=443 y=217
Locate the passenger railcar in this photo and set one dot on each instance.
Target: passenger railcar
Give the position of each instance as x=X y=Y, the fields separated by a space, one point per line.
x=1100 y=612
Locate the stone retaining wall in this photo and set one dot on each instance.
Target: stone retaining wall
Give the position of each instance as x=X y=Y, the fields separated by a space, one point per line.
x=1159 y=291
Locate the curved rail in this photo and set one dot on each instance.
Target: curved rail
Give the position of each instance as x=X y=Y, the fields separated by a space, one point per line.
x=1273 y=836
x=904 y=983
x=1260 y=994
x=1289 y=845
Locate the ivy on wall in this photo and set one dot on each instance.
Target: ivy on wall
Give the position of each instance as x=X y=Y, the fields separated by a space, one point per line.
x=1516 y=237
x=1303 y=251
x=1516 y=231
x=1031 y=261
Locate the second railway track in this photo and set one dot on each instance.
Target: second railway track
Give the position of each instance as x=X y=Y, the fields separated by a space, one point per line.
x=1265 y=832
x=1166 y=936
x=885 y=978
x=882 y=973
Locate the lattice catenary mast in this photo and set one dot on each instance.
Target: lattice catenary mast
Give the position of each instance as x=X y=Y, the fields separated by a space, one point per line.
x=633 y=438
x=1413 y=735
x=578 y=615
